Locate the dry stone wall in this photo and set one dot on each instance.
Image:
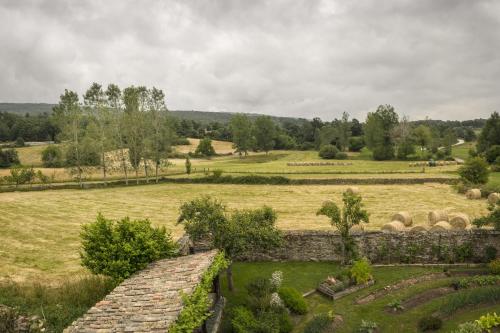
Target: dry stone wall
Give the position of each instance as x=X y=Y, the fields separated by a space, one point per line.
x=383 y=247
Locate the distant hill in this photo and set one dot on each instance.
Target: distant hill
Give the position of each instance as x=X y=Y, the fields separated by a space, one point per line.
x=23 y=108
x=201 y=116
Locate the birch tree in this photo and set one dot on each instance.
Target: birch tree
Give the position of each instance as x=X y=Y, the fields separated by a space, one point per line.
x=133 y=127
x=68 y=115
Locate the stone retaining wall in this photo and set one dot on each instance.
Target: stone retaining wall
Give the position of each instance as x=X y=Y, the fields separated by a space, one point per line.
x=383 y=247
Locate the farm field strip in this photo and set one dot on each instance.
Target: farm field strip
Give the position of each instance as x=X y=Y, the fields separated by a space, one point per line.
x=40 y=230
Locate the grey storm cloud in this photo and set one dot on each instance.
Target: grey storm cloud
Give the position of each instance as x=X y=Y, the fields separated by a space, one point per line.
x=428 y=58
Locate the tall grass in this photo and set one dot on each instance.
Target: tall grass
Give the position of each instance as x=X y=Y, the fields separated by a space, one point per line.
x=58 y=305
x=468 y=298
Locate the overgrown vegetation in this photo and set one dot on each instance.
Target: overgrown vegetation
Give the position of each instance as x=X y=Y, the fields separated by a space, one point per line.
x=56 y=305
x=196 y=306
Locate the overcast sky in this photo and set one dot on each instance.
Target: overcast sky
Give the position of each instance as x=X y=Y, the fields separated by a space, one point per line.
x=434 y=58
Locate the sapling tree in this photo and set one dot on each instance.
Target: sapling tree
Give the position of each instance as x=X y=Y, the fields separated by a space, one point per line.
x=188 y=165
x=344 y=219
x=235 y=234
x=134 y=127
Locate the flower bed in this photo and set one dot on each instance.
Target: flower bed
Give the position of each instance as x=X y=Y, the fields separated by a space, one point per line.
x=336 y=289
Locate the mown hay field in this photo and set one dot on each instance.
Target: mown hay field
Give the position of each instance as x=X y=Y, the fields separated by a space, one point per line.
x=39 y=236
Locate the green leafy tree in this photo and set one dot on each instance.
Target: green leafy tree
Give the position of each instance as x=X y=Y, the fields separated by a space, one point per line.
x=474 y=171
x=265 y=132
x=241 y=132
x=114 y=101
x=205 y=148
x=120 y=248
x=490 y=134
x=328 y=151
x=423 y=136
x=343 y=219
x=100 y=121
x=69 y=117
x=242 y=231
x=379 y=132
x=161 y=134
x=134 y=130
x=449 y=139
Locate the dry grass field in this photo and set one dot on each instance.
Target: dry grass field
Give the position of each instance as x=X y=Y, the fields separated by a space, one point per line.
x=39 y=236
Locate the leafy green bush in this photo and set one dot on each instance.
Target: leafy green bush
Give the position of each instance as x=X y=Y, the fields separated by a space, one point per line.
x=478 y=280
x=493 y=218
x=205 y=148
x=318 y=324
x=492 y=153
x=367 y=326
x=293 y=300
x=356 y=143
x=8 y=158
x=494 y=266
x=490 y=253
x=242 y=320
x=361 y=271
x=469 y=327
x=328 y=152
x=429 y=323
x=474 y=171
x=52 y=157
x=488 y=321
x=120 y=248
x=87 y=153
x=341 y=156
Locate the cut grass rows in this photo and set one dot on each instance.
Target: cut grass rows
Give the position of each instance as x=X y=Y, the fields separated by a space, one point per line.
x=40 y=230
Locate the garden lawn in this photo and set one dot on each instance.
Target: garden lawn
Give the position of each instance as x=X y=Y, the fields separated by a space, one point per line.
x=40 y=230
x=306 y=275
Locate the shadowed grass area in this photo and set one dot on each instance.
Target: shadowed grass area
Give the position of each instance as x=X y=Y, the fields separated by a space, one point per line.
x=40 y=230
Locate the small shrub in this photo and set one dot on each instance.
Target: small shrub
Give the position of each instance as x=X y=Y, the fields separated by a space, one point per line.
x=367 y=326
x=361 y=271
x=318 y=324
x=474 y=171
x=469 y=327
x=19 y=142
x=494 y=266
x=341 y=156
x=120 y=248
x=356 y=143
x=463 y=252
x=293 y=300
x=429 y=323
x=188 y=165
x=217 y=173
x=328 y=152
x=395 y=305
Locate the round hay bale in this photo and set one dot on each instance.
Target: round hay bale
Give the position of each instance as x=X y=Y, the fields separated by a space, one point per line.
x=459 y=221
x=419 y=228
x=393 y=226
x=493 y=198
x=441 y=226
x=352 y=190
x=437 y=215
x=404 y=217
x=473 y=194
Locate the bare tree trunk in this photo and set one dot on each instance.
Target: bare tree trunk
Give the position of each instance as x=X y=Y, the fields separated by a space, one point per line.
x=156 y=172
x=104 y=168
x=137 y=175
x=124 y=165
x=146 y=170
